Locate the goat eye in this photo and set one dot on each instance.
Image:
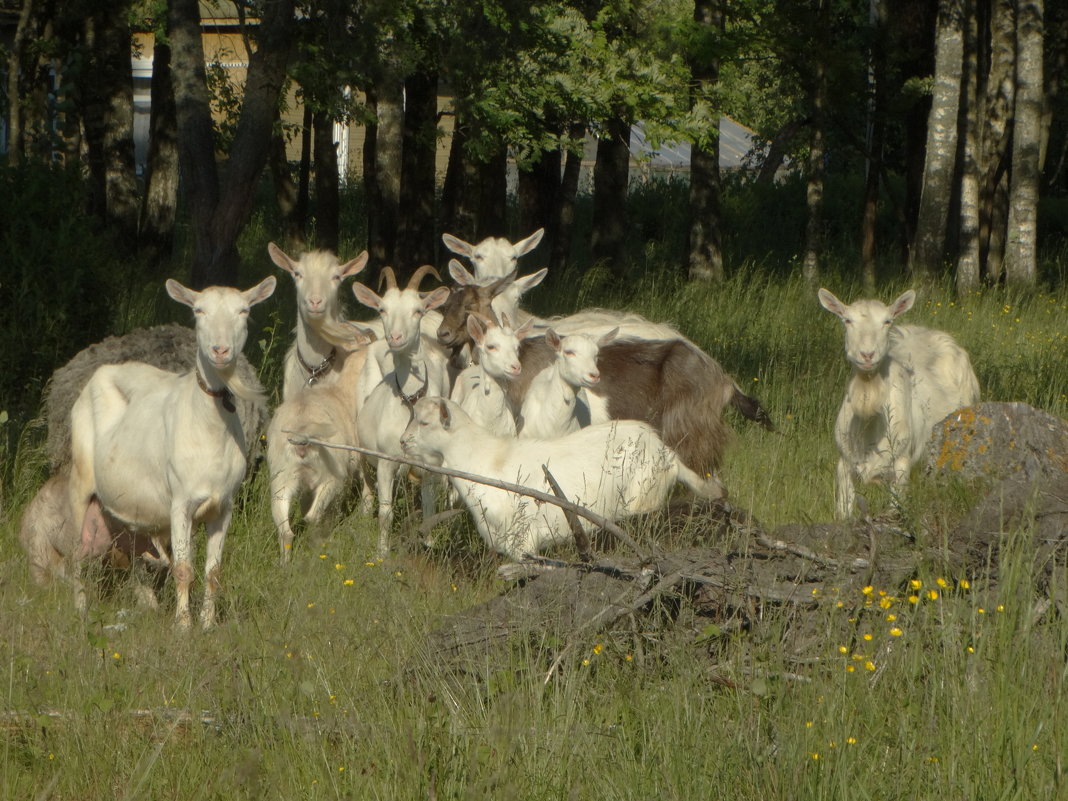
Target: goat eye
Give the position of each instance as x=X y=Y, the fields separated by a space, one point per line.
x=243 y=311
x=197 y=310
x=335 y=278
x=298 y=274
x=847 y=321
x=569 y=353
x=888 y=322
x=491 y=347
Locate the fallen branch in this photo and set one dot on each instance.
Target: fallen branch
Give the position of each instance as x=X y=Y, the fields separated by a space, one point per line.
x=297 y=438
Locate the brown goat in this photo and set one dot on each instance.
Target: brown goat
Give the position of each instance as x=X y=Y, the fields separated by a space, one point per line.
x=671 y=384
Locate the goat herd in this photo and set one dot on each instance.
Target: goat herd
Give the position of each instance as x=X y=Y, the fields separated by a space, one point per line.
x=617 y=409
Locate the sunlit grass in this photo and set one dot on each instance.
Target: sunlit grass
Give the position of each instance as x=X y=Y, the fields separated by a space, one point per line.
x=318 y=682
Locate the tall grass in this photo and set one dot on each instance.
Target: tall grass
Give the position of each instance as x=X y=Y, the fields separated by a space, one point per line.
x=319 y=683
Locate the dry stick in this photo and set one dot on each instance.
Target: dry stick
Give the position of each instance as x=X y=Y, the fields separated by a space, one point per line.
x=582 y=542
x=298 y=438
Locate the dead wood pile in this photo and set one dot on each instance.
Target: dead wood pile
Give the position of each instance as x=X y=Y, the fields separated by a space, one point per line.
x=732 y=572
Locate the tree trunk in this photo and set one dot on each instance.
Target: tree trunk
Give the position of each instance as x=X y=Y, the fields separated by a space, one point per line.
x=706 y=238
x=1021 y=256
x=777 y=150
x=286 y=190
x=995 y=138
x=415 y=227
x=219 y=213
x=929 y=243
x=388 y=145
x=327 y=189
x=161 y=174
x=563 y=220
x=24 y=30
x=493 y=195
x=304 y=173
x=611 y=175
x=538 y=191
x=458 y=198
x=196 y=145
x=968 y=262
x=810 y=268
x=876 y=134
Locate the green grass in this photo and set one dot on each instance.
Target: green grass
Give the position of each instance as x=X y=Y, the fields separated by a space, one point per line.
x=318 y=682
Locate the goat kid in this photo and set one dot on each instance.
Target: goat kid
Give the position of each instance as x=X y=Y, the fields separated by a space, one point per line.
x=326 y=412
x=616 y=470
x=904 y=379
x=400 y=369
x=552 y=407
x=317 y=275
x=480 y=389
x=159 y=451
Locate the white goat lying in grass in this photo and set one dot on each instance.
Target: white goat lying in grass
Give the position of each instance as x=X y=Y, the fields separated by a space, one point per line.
x=313 y=358
x=904 y=380
x=325 y=412
x=158 y=450
x=552 y=407
x=401 y=368
x=615 y=469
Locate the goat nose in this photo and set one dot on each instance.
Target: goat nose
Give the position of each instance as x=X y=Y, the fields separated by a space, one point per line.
x=315 y=303
x=220 y=351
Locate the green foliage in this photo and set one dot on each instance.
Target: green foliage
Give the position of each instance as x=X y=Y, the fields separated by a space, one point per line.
x=58 y=285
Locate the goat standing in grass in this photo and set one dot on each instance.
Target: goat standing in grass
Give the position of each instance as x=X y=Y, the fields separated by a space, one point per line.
x=400 y=368
x=615 y=469
x=158 y=451
x=904 y=379
x=326 y=412
x=313 y=358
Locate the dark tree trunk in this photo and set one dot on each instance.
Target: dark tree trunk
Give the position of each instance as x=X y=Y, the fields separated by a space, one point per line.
x=874 y=159
x=105 y=97
x=777 y=150
x=377 y=247
x=161 y=174
x=459 y=210
x=492 y=179
x=219 y=213
x=968 y=261
x=415 y=228
x=538 y=192
x=611 y=175
x=814 y=178
x=196 y=145
x=304 y=173
x=995 y=138
x=563 y=220
x=705 y=235
x=327 y=190
x=286 y=191
x=388 y=146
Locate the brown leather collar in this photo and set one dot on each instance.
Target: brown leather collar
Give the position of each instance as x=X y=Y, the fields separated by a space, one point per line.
x=321 y=369
x=224 y=394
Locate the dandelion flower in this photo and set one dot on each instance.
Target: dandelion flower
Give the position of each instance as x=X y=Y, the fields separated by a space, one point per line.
x=116 y=655
x=1000 y=607
x=869 y=665
x=981 y=611
x=808 y=724
x=585 y=662
x=338 y=566
x=964 y=584
x=867 y=636
x=896 y=632
x=941 y=582
x=915 y=584
x=868 y=590
x=932 y=594
x=891 y=618
x=842 y=649
x=850 y=668
x=598 y=648
x=349 y=582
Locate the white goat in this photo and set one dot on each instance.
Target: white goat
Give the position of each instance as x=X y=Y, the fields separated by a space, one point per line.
x=317 y=276
x=399 y=370
x=616 y=469
x=493 y=257
x=325 y=412
x=480 y=388
x=552 y=407
x=157 y=450
x=904 y=380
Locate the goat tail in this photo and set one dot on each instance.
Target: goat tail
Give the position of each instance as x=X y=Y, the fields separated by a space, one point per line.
x=751 y=408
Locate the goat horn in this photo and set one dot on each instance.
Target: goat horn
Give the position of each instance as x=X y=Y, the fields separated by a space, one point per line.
x=389 y=277
x=417 y=276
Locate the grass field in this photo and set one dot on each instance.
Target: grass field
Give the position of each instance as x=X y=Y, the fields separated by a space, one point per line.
x=317 y=684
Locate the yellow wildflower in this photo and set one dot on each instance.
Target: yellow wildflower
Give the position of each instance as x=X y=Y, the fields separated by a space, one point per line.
x=896 y=632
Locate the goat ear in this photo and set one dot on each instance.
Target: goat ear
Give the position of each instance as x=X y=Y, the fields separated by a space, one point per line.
x=460 y=274
x=553 y=339
x=181 y=293
x=501 y=284
x=606 y=338
x=831 y=303
x=524 y=329
x=436 y=298
x=528 y=282
x=903 y=303
x=476 y=328
x=526 y=245
x=445 y=413
x=263 y=290
x=457 y=245
x=356 y=265
x=367 y=296
x=279 y=257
